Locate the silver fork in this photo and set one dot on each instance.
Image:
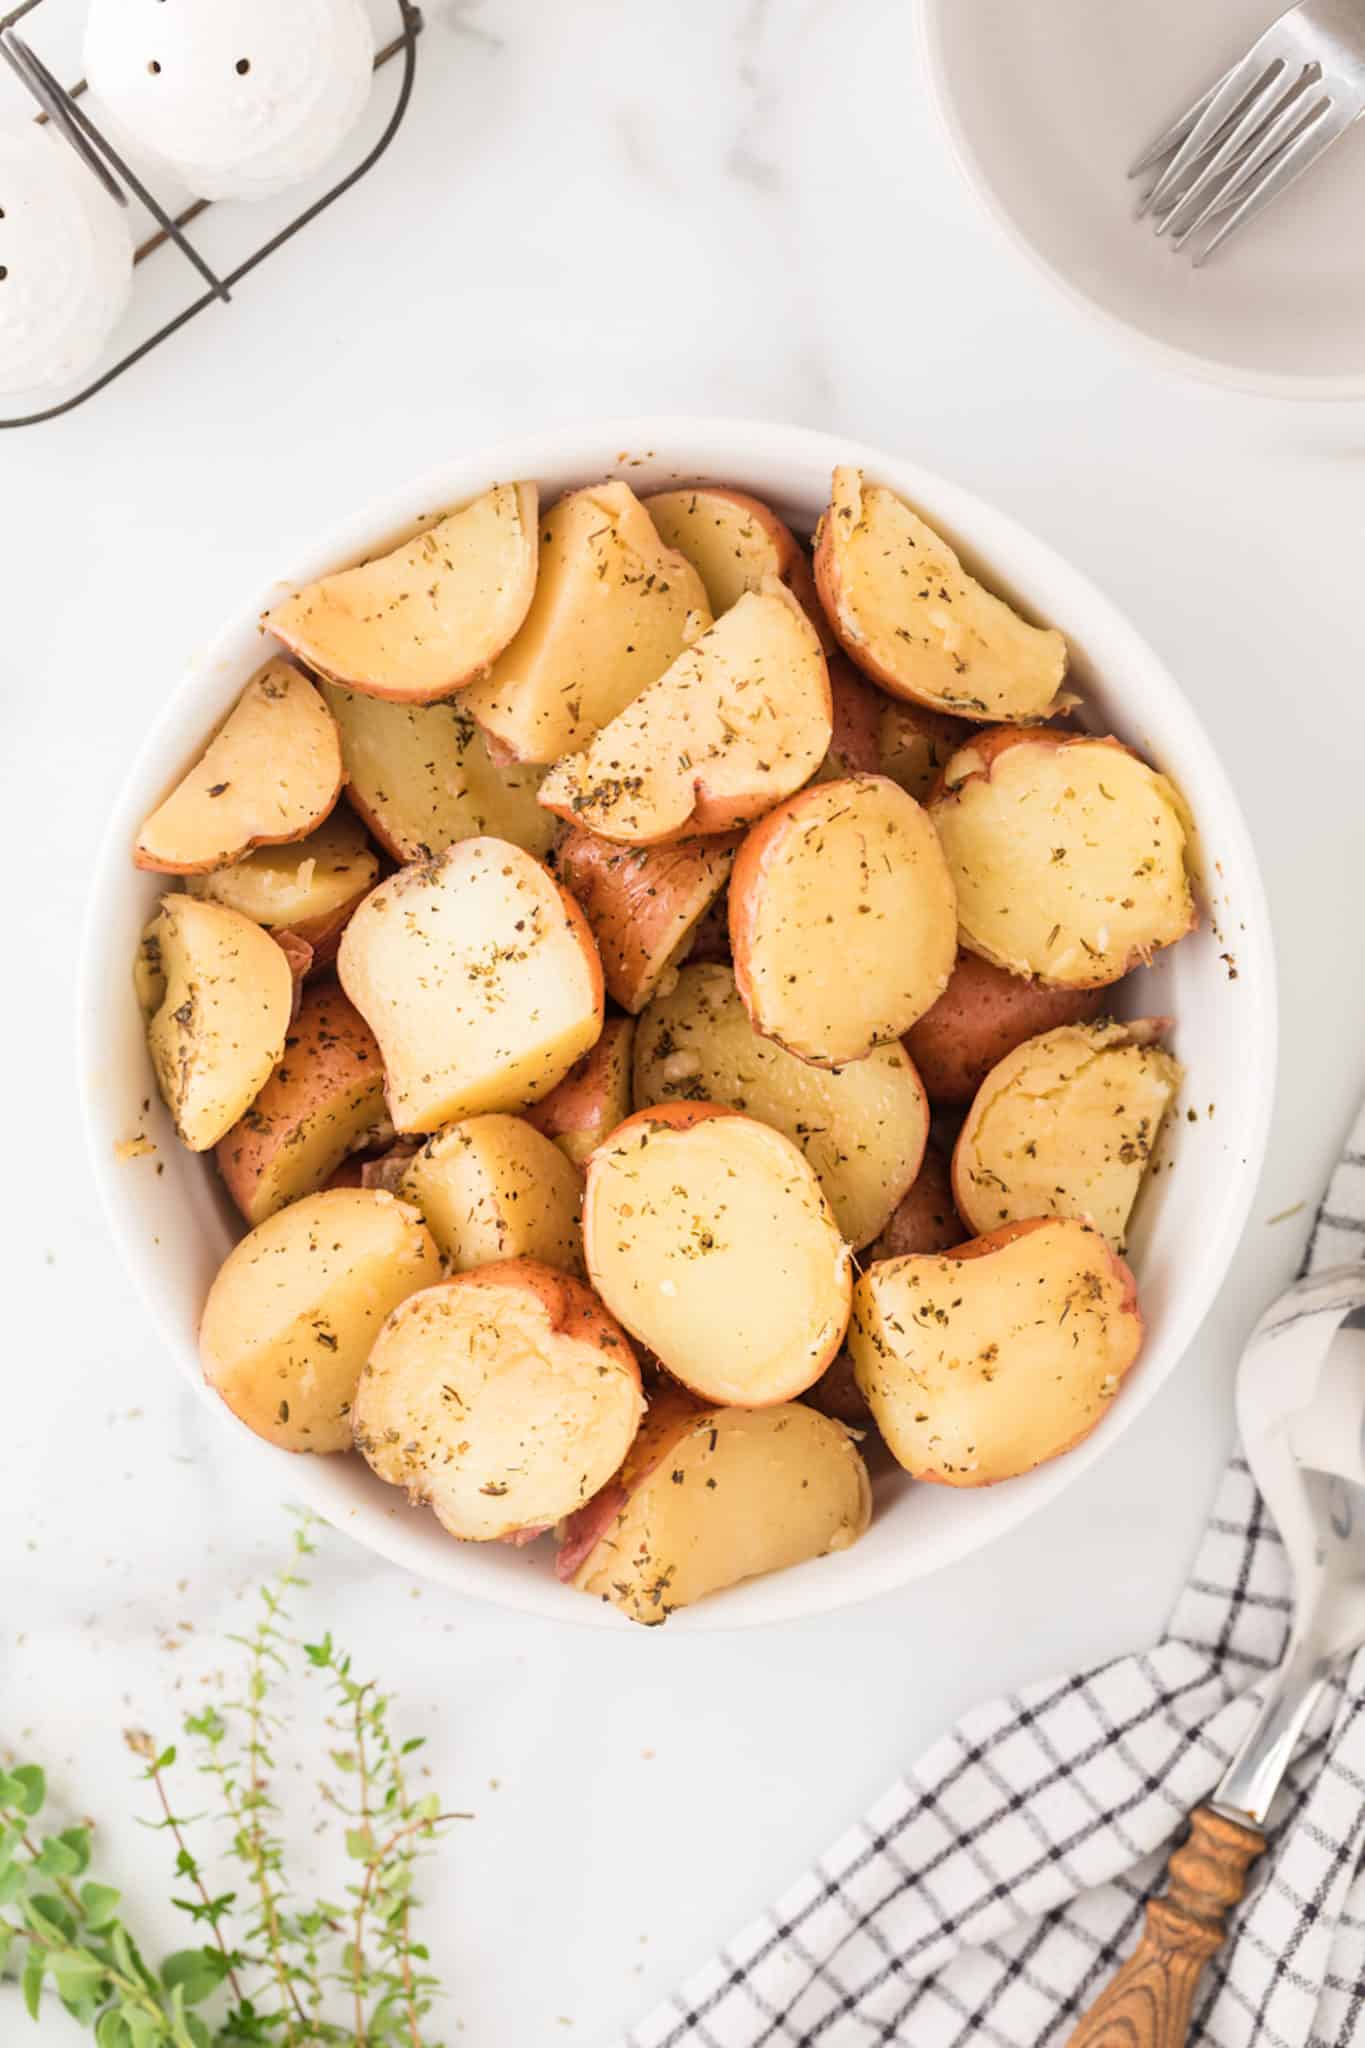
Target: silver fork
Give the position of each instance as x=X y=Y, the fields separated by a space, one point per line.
x=1261 y=126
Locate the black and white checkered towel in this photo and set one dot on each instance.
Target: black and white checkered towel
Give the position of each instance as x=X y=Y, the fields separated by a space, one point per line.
x=991 y=1893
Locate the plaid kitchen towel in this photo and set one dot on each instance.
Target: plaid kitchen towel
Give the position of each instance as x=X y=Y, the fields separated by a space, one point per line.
x=991 y=1893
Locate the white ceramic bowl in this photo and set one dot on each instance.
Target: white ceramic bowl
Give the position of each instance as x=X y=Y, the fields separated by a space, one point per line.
x=174 y=1227
x=1047 y=104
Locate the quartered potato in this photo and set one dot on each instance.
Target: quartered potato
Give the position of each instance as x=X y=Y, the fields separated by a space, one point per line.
x=862 y=1127
x=594 y=1096
x=491 y=1188
x=217 y=993
x=732 y=540
x=429 y=617
x=480 y=979
x=321 y=1103
x=613 y=607
x=981 y=1363
x=709 y=1497
x=309 y=888
x=642 y=903
x=504 y=1399
x=983 y=1014
x=708 y=1235
x=843 y=919
x=297 y=1305
x=737 y=723
x=421 y=777
x=1065 y=1126
x=271 y=773
x=1070 y=855
x=908 y=613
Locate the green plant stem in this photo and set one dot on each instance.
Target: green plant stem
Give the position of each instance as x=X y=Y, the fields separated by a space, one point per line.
x=154 y=1773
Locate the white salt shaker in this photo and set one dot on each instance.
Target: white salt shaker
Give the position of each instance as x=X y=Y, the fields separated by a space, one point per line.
x=237 y=98
x=66 y=261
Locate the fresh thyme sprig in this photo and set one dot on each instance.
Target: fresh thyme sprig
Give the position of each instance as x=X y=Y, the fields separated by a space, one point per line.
x=272 y=1970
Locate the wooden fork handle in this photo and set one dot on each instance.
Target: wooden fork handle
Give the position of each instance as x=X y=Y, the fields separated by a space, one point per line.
x=1148 y=2004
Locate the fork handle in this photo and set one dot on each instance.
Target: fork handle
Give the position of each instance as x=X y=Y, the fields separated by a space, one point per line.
x=1148 y=2004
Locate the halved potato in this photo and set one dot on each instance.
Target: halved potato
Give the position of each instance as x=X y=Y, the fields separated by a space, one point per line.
x=739 y=721
x=981 y=1363
x=309 y=888
x=478 y=976
x=642 y=903
x=491 y=1188
x=908 y=613
x=924 y=1220
x=711 y=1496
x=429 y=617
x=217 y=993
x=983 y=1014
x=297 y=1305
x=613 y=607
x=708 y=1235
x=421 y=777
x=862 y=1127
x=1065 y=1126
x=594 y=1096
x=843 y=921
x=270 y=774
x=732 y=540
x=1069 y=855
x=320 y=1104
x=503 y=1399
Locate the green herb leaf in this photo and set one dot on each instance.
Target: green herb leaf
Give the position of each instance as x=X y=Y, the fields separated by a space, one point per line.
x=32 y=1981
x=112 y=2031
x=99 y=1901
x=31 y=1789
x=195 y=1973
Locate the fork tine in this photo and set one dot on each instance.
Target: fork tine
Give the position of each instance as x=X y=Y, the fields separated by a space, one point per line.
x=1289 y=165
x=1281 y=90
x=1226 y=101
x=1172 y=137
x=1300 y=113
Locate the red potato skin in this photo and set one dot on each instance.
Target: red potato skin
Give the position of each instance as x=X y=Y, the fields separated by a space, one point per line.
x=630 y=896
x=571 y=1307
x=711 y=934
x=576 y=1104
x=671 y=1414
x=856 y=742
x=982 y=1015
x=800 y=580
x=323 y=934
x=924 y=1221
x=996 y=1240
x=337 y=1048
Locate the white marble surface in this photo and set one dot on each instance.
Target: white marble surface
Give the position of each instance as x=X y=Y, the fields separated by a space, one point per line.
x=692 y=205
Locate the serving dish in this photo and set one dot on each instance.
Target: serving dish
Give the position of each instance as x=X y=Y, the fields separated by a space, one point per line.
x=174 y=1226
x=1046 y=107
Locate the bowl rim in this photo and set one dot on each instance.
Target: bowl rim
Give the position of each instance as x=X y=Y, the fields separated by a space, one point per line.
x=1207 y=369
x=579 y=448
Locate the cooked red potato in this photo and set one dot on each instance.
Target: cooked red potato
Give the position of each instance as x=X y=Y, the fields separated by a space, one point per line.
x=981 y=1363
x=711 y=935
x=297 y=1304
x=709 y=1497
x=491 y=1188
x=320 y=1104
x=737 y=723
x=309 y=888
x=983 y=1014
x=429 y=617
x=478 y=976
x=862 y=1127
x=878 y=735
x=218 y=994
x=1069 y=854
x=732 y=540
x=1065 y=1126
x=613 y=607
x=843 y=921
x=594 y=1096
x=642 y=903
x=708 y=1235
x=421 y=777
x=502 y=1399
x=270 y=774
x=908 y=613
x=924 y=1220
